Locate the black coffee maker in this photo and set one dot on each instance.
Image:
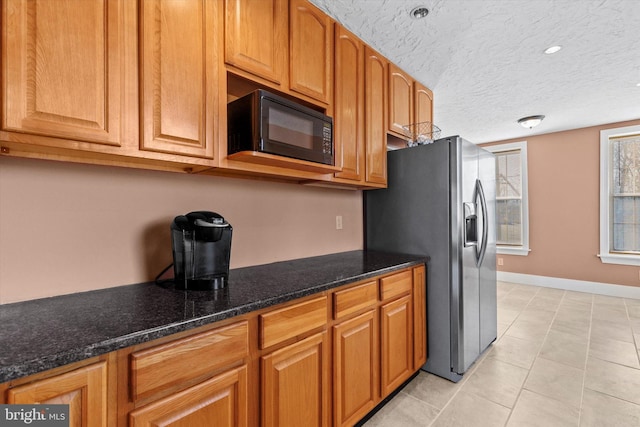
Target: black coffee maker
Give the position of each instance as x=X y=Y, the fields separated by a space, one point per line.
x=201 y=251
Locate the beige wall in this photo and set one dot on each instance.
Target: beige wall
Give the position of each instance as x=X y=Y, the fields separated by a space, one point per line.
x=564 y=209
x=68 y=228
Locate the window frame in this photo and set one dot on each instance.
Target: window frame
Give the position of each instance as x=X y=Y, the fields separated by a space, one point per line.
x=606 y=255
x=521 y=146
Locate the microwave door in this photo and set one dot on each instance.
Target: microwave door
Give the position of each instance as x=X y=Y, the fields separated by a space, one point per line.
x=292 y=133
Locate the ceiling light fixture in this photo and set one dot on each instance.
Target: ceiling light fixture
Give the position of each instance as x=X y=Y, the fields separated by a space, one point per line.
x=531 y=121
x=419 y=12
x=552 y=49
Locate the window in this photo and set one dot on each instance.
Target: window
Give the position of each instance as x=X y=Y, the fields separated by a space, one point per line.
x=620 y=195
x=512 y=212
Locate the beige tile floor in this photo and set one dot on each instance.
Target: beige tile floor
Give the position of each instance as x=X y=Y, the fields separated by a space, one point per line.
x=562 y=358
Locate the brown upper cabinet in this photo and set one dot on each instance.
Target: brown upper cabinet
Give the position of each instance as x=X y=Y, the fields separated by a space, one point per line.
x=409 y=102
x=69 y=71
x=400 y=100
x=180 y=86
x=127 y=83
x=348 y=105
x=360 y=111
x=423 y=98
x=310 y=51
x=72 y=89
x=286 y=45
x=375 y=96
x=256 y=38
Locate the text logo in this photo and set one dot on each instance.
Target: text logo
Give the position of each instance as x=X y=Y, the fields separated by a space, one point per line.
x=34 y=415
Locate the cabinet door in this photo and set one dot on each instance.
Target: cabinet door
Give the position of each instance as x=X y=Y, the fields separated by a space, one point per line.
x=397 y=343
x=375 y=96
x=419 y=318
x=84 y=390
x=348 y=104
x=256 y=38
x=356 y=367
x=179 y=76
x=69 y=70
x=311 y=51
x=400 y=100
x=220 y=401
x=423 y=103
x=295 y=384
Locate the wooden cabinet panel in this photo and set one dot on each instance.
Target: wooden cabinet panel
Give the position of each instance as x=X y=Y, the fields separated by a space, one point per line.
x=295 y=384
x=162 y=366
x=356 y=368
x=423 y=104
x=419 y=317
x=67 y=67
x=256 y=37
x=310 y=51
x=395 y=285
x=375 y=117
x=221 y=401
x=400 y=100
x=348 y=105
x=84 y=390
x=350 y=301
x=180 y=82
x=396 y=343
x=293 y=320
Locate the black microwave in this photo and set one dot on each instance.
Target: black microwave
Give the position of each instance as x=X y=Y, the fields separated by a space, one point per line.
x=265 y=122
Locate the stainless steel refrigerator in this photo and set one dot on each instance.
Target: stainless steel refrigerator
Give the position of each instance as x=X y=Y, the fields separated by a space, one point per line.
x=440 y=202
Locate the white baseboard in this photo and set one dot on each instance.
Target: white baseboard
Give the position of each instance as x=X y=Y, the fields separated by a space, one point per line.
x=571 y=284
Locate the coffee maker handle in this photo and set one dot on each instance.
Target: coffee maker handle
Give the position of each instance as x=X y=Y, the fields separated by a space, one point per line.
x=202 y=223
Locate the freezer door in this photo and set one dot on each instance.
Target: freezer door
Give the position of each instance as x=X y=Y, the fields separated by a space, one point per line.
x=465 y=309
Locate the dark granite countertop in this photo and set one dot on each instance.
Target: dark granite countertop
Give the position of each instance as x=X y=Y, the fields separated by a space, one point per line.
x=46 y=333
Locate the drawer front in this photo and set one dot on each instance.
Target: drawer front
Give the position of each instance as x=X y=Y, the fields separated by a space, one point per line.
x=354 y=299
x=173 y=363
x=395 y=285
x=288 y=322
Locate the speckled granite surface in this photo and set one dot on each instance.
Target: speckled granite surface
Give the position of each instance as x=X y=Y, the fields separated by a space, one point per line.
x=46 y=333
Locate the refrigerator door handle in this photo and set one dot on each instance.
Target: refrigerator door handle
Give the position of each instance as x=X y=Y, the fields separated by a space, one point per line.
x=485 y=224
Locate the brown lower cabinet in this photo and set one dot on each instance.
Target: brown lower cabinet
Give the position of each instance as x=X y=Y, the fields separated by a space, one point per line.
x=356 y=367
x=220 y=401
x=295 y=384
x=327 y=359
x=84 y=389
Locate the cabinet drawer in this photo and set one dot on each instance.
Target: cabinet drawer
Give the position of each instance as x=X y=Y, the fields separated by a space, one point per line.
x=187 y=358
x=354 y=299
x=395 y=285
x=288 y=322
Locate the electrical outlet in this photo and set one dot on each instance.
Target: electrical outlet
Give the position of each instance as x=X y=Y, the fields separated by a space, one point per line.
x=500 y=261
x=338 y=222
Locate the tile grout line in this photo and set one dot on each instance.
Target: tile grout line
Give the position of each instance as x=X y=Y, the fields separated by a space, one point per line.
x=604 y=393
x=537 y=354
x=633 y=334
x=586 y=361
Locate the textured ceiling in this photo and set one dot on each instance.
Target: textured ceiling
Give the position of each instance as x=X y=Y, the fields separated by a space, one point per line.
x=484 y=59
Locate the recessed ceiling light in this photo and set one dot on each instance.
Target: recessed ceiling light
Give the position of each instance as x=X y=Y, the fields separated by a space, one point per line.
x=419 y=12
x=531 y=121
x=552 y=49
